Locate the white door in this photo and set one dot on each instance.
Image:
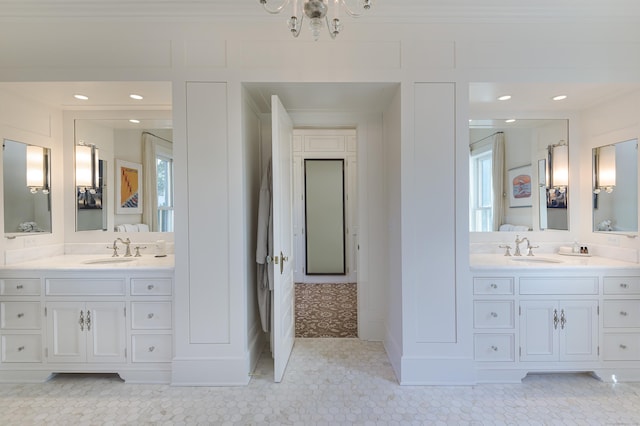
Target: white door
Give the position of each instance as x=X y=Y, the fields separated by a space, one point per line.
x=578 y=330
x=66 y=332
x=538 y=331
x=105 y=325
x=283 y=292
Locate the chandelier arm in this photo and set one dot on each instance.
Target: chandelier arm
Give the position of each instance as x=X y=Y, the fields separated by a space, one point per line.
x=277 y=9
x=295 y=32
x=351 y=12
x=331 y=32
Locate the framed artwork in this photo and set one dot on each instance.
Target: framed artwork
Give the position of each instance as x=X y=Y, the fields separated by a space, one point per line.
x=519 y=185
x=128 y=187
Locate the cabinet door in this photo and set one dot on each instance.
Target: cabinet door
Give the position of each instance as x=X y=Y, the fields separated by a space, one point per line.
x=538 y=340
x=105 y=332
x=578 y=330
x=66 y=335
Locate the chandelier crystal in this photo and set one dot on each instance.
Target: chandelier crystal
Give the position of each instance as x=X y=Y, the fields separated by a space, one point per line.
x=319 y=13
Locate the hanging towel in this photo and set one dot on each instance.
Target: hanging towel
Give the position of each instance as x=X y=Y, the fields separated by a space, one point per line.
x=264 y=250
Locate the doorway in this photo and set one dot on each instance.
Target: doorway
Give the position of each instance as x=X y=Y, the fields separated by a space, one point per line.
x=325 y=232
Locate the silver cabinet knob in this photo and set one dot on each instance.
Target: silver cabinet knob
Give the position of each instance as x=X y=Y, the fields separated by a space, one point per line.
x=152 y=348
x=20 y=315
x=19 y=287
x=21 y=348
x=494 y=348
x=623 y=346
x=493 y=314
x=150 y=287
x=623 y=313
x=494 y=285
x=150 y=315
x=624 y=285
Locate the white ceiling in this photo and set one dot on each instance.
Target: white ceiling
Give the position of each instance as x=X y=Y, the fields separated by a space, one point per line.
x=383 y=10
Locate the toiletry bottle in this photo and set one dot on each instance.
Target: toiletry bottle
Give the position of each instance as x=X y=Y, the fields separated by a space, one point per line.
x=576 y=247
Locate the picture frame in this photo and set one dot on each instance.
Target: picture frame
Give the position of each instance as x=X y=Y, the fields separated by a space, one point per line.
x=520 y=186
x=128 y=187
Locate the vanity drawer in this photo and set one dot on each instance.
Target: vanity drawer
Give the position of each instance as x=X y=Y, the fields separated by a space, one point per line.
x=621 y=313
x=20 y=287
x=621 y=285
x=20 y=315
x=151 y=286
x=494 y=347
x=151 y=315
x=493 y=286
x=559 y=285
x=21 y=348
x=621 y=347
x=151 y=348
x=493 y=314
x=84 y=287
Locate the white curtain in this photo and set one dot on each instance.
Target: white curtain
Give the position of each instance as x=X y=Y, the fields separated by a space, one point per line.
x=497 y=178
x=149 y=182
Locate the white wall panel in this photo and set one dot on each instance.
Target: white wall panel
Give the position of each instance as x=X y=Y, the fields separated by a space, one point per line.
x=320 y=54
x=87 y=53
x=434 y=289
x=207 y=166
x=205 y=53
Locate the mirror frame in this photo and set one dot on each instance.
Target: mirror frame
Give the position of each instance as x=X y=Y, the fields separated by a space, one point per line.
x=70 y=200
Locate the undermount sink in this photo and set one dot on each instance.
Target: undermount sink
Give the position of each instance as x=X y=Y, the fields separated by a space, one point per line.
x=109 y=260
x=534 y=259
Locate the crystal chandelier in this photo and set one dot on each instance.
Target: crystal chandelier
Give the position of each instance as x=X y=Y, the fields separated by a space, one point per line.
x=319 y=12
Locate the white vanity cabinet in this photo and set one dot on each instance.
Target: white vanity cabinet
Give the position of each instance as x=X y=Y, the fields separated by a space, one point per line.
x=529 y=319
x=88 y=320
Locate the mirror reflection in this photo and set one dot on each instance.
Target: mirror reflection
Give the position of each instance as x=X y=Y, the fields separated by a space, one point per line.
x=133 y=187
x=27 y=202
x=511 y=175
x=615 y=183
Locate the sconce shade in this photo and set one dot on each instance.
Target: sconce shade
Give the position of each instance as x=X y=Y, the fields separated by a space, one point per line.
x=35 y=167
x=84 y=173
x=560 y=166
x=607 y=166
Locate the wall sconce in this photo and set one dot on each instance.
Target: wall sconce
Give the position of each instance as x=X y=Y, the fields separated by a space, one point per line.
x=559 y=166
x=87 y=171
x=605 y=169
x=37 y=169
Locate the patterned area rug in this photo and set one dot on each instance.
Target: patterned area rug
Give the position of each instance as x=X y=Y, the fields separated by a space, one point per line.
x=326 y=310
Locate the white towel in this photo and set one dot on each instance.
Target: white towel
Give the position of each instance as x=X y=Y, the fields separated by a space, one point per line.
x=513 y=228
x=120 y=228
x=143 y=227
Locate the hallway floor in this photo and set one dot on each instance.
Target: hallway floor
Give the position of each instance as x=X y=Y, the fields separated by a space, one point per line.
x=328 y=381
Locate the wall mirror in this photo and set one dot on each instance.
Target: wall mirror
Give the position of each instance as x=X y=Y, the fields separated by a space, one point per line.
x=512 y=187
x=129 y=171
x=324 y=215
x=615 y=188
x=27 y=200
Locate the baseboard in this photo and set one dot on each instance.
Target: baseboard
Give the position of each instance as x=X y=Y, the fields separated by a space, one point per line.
x=210 y=372
x=419 y=371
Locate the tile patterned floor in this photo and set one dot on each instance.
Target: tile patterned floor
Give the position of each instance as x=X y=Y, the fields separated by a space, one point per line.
x=329 y=381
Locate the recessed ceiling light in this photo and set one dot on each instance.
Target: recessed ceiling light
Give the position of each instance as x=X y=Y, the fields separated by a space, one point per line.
x=559 y=97
x=134 y=121
x=504 y=98
x=81 y=97
x=136 y=97
x=511 y=120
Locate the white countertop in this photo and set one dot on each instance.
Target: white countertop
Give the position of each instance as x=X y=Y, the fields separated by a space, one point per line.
x=74 y=262
x=559 y=262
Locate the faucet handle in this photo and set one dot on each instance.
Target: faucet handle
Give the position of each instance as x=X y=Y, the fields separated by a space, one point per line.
x=530 y=249
x=114 y=247
x=137 y=248
x=507 y=248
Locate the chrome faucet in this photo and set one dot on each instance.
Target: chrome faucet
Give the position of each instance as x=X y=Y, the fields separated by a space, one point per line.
x=518 y=241
x=127 y=244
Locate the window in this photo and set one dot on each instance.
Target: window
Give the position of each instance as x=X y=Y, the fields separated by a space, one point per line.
x=481 y=203
x=164 y=173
